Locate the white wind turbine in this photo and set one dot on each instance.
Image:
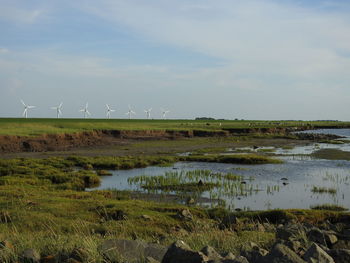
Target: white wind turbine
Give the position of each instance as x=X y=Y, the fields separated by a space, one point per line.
x=58 y=109
x=148 y=113
x=26 y=108
x=86 y=111
x=109 y=110
x=164 y=112
x=130 y=111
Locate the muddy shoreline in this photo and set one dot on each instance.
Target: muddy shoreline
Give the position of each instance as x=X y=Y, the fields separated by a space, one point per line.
x=66 y=142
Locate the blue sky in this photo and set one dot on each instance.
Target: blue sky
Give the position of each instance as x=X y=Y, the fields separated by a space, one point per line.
x=248 y=59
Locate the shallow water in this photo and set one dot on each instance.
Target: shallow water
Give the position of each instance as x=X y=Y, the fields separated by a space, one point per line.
x=301 y=174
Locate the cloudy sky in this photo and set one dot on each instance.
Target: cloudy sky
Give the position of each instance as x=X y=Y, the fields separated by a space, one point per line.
x=263 y=59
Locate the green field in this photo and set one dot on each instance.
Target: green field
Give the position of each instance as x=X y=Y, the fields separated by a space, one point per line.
x=35 y=127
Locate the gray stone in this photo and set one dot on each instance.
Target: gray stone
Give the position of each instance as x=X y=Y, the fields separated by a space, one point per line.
x=30 y=256
x=317 y=236
x=340 y=255
x=211 y=253
x=282 y=254
x=289 y=232
x=254 y=254
x=315 y=254
x=185 y=214
x=330 y=238
x=131 y=250
x=151 y=260
x=181 y=252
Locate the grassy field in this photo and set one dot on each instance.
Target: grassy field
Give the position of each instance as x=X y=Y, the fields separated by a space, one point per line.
x=35 y=127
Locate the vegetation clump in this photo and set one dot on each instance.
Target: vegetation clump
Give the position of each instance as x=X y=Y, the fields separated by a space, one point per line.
x=329 y=207
x=322 y=190
x=233 y=158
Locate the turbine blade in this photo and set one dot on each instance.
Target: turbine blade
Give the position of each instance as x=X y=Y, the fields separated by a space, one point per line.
x=24 y=112
x=107 y=106
x=60 y=105
x=31 y=107
x=88 y=113
x=23 y=103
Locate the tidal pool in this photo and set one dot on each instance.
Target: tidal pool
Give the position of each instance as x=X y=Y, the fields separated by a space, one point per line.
x=268 y=186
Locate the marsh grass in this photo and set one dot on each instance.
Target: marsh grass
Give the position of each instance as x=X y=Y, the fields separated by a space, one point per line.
x=323 y=190
x=329 y=207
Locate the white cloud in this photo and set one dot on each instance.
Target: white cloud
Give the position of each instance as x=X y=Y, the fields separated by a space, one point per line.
x=14 y=11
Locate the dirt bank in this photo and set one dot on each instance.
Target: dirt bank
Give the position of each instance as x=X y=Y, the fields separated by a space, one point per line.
x=65 y=142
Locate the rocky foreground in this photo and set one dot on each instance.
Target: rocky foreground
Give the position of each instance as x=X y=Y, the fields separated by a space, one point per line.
x=295 y=243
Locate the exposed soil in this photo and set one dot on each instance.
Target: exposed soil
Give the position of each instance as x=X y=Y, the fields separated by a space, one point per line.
x=100 y=139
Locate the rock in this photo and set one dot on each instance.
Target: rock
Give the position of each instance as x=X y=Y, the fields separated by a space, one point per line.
x=6 y=245
x=181 y=252
x=254 y=253
x=340 y=255
x=288 y=232
x=30 y=256
x=80 y=254
x=185 y=214
x=150 y=260
x=49 y=259
x=315 y=254
x=282 y=254
x=330 y=238
x=211 y=253
x=317 y=236
x=131 y=250
x=294 y=245
x=229 y=255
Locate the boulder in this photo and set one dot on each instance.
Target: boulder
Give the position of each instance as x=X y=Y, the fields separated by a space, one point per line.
x=131 y=250
x=211 y=253
x=181 y=252
x=315 y=254
x=185 y=214
x=289 y=231
x=340 y=255
x=30 y=256
x=317 y=236
x=282 y=254
x=330 y=238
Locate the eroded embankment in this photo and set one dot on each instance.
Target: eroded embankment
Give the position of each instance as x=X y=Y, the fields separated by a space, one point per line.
x=63 y=142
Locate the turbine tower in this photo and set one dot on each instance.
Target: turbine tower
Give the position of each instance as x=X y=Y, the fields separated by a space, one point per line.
x=130 y=111
x=164 y=113
x=109 y=110
x=148 y=113
x=26 y=108
x=86 y=111
x=58 y=109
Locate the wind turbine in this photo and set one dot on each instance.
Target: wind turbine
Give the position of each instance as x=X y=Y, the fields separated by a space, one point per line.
x=26 y=108
x=130 y=111
x=148 y=113
x=86 y=111
x=58 y=109
x=164 y=112
x=109 y=110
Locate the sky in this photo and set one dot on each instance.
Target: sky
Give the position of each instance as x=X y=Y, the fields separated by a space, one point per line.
x=245 y=59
